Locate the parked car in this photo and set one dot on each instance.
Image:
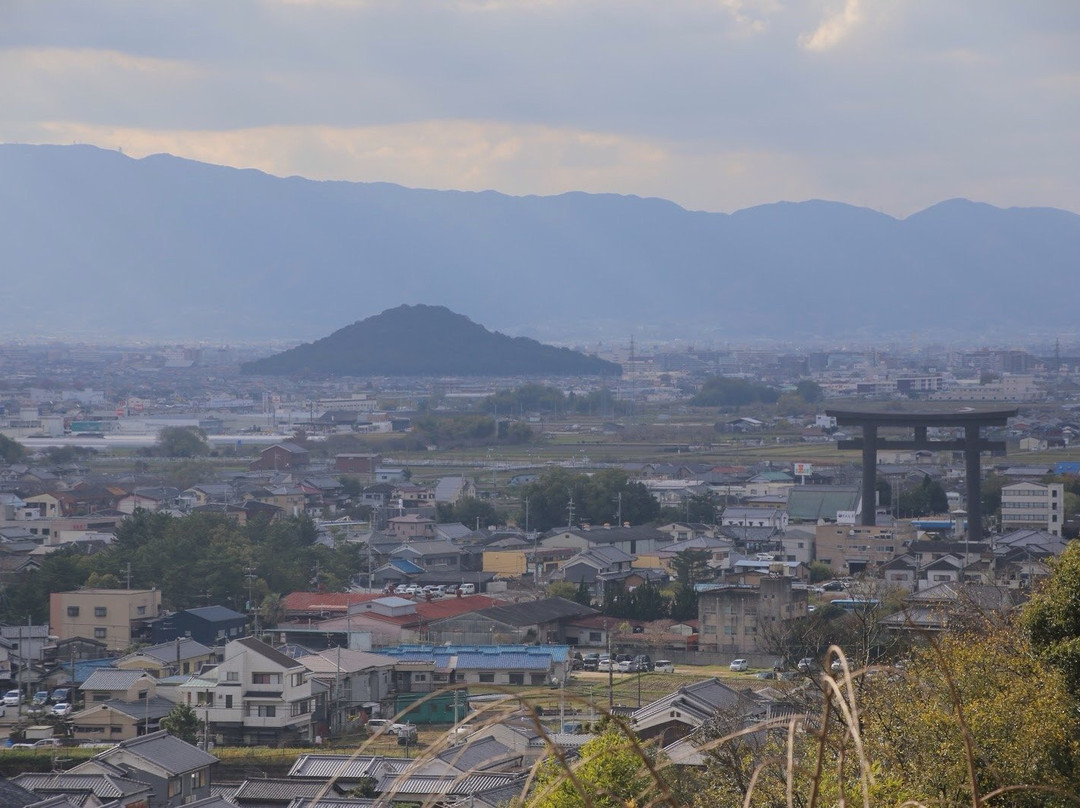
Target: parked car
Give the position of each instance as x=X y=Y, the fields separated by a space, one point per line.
x=467 y=589
x=606 y=664
x=13 y=698
x=62 y=709
x=40 y=698
x=806 y=664
x=837 y=665
x=644 y=662
x=60 y=694
x=626 y=666
x=664 y=666
x=738 y=665
x=591 y=662
x=406 y=734
x=377 y=726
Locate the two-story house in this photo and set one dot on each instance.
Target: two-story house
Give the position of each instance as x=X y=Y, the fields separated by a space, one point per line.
x=255 y=696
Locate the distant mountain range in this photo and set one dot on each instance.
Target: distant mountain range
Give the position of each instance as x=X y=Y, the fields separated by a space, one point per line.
x=427 y=341
x=99 y=245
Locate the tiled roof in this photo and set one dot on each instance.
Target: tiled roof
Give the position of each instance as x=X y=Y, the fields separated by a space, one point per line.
x=214 y=613
x=113 y=679
x=102 y=786
x=434 y=784
x=169 y=652
x=164 y=750
x=533 y=612
x=267 y=652
x=279 y=790
x=341 y=767
x=477 y=755
x=152 y=709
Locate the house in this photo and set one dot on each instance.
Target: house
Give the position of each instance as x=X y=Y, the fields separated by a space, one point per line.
x=158 y=498
x=85 y=789
x=411 y=526
x=177 y=772
x=106 y=684
x=431 y=556
x=353 y=681
x=500 y=664
x=449 y=490
x=255 y=696
x=542 y=621
x=595 y=566
x=209 y=625
x=286 y=456
x=739 y=516
x=178 y=656
x=633 y=540
x=119 y=720
x=115 y=616
x=811 y=503
x=679 y=713
x=362 y=464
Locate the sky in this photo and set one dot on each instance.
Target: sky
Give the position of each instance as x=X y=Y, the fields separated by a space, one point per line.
x=717 y=105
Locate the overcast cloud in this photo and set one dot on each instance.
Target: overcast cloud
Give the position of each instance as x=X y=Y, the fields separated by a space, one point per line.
x=714 y=104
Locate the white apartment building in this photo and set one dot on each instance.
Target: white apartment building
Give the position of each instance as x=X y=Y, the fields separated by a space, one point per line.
x=1033 y=506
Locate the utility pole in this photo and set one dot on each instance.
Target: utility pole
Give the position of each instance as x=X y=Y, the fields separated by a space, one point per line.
x=570 y=513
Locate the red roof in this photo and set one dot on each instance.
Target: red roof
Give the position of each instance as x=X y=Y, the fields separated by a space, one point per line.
x=437 y=610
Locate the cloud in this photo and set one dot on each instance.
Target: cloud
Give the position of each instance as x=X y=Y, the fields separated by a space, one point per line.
x=834 y=28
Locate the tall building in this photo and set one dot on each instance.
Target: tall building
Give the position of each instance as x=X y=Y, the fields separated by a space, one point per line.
x=112 y=616
x=1033 y=506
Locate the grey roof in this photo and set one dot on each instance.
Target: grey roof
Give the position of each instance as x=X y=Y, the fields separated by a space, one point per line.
x=169 y=652
x=214 y=613
x=279 y=790
x=152 y=709
x=113 y=679
x=103 y=786
x=261 y=648
x=534 y=612
x=808 y=503
x=164 y=750
x=15 y=796
x=477 y=755
x=342 y=767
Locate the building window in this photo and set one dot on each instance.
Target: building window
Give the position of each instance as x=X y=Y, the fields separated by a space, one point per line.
x=141 y=610
x=537 y=679
x=594 y=636
x=73 y=611
x=420 y=677
x=266 y=711
x=228 y=702
x=488 y=678
x=100 y=611
x=517 y=678
x=198 y=779
x=297 y=679
x=175 y=786
x=266 y=678
x=232 y=676
x=100 y=633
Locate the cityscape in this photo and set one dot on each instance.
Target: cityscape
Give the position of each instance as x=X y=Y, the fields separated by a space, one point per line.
x=539 y=404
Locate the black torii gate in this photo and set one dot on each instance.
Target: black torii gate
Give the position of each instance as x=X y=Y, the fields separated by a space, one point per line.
x=971 y=418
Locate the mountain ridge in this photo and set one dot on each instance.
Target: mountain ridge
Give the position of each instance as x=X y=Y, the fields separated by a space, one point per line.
x=165 y=247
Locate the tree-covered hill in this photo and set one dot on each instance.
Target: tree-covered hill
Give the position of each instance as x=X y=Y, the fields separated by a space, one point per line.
x=427 y=341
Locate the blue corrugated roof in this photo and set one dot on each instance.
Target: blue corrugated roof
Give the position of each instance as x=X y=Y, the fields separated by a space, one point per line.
x=406 y=567
x=513 y=661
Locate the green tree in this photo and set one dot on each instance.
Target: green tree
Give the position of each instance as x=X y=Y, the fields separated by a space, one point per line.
x=182 y=441
x=582 y=595
x=684 y=606
x=820 y=571
x=11 y=451
x=1052 y=618
x=609 y=773
x=691 y=566
x=470 y=511
x=561 y=589
x=809 y=391
x=183 y=723
x=726 y=391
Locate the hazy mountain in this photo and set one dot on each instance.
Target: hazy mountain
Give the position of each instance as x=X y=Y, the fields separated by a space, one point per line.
x=97 y=243
x=427 y=341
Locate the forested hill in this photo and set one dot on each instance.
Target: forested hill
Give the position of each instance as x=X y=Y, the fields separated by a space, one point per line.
x=427 y=341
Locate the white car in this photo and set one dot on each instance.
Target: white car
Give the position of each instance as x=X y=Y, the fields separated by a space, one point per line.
x=605 y=664
x=378 y=725
x=664 y=666
x=738 y=665
x=627 y=666
x=13 y=698
x=62 y=709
